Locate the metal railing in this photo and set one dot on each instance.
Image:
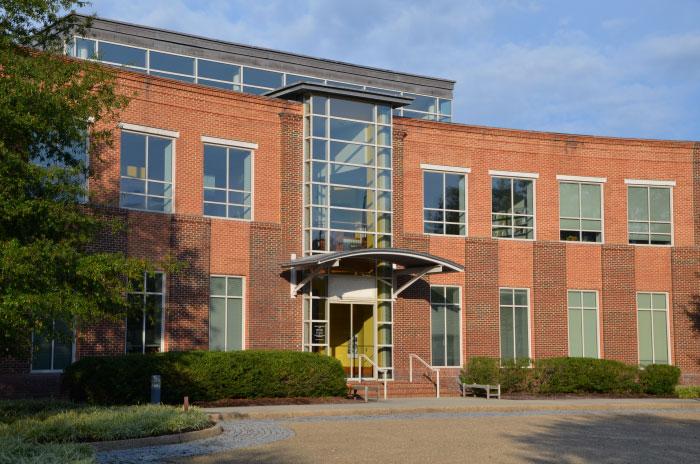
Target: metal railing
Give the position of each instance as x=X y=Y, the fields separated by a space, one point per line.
x=434 y=369
x=383 y=370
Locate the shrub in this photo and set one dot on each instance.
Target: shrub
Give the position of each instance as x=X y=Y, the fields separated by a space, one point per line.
x=204 y=376
x=585 y=375
x=688 y=391
x=484 y=371
x=516 y=375
x=659 y=379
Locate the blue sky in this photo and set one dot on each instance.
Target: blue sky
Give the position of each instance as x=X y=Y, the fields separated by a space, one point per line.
x=615 y=68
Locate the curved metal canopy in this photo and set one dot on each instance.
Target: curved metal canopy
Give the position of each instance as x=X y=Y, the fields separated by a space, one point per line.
x=409 y=259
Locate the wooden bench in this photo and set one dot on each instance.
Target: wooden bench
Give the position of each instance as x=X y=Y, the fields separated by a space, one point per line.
x=488 y=388
x=355 y=387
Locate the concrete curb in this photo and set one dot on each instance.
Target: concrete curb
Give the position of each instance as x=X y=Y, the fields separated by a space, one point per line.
x=114 y=445
x=382 y=411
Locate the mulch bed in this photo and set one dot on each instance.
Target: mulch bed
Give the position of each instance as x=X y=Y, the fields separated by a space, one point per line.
x=234 y=402
x=569 y=396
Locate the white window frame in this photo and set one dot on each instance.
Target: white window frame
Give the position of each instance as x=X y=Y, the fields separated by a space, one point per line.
x=461 y=324
x=448 y=170
x=243 y=297
x=668 y=326
x=235 y=144
x=152 y=131
x=143 y=294
x=529 y=320
x=515 y=175
x=52 y=370
x=597 y=317
x=585 y=180
x=654 y=184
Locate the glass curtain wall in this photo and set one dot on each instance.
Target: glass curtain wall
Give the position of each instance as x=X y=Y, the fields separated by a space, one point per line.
x=347 y=172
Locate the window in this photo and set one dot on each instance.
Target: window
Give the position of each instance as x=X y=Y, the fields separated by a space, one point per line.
x=227 y=182
x=580 y=212
x=146 y=172
x=649 y=214
x=512 y=208
x=515 y=328
x=583 y=324
x=445 y=325
x=144 y=322
x=52 y=355
x=652 y=327
x=444 y=203
x=226 y=313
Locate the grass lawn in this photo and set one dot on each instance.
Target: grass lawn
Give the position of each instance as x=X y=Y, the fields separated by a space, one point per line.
x=52 y=431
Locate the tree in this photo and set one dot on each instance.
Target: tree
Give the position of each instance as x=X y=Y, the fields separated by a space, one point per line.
x=49 y=104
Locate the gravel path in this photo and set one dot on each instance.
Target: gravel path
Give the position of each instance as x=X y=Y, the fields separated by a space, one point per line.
x=245 y=433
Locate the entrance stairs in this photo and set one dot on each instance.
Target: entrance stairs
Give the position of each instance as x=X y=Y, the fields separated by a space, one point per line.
x=421 y=387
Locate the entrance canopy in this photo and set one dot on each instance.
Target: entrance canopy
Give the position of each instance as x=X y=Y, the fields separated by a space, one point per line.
x=414 y=263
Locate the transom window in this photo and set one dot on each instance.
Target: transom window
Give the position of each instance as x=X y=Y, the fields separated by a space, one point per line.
x=144 y=323
x=227 y=182
x=445 y=325
x=226 y=313
x=652 y=328
x=146 y=172
x=580 y=212
x=444 y=203
x=583 y=323
x=649 y=215
x=515 y=315
x=512 y=208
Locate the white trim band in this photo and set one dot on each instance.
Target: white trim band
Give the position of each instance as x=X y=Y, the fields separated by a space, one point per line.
x=598 y=180
x=529 y=175
x=438 y=167
x=229 y=142
x=149 y=130
x=665 y=183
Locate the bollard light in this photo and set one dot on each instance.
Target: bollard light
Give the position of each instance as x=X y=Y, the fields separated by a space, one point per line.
x=155 y=389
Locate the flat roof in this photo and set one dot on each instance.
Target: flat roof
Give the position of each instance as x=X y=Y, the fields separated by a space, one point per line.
x=274 y=60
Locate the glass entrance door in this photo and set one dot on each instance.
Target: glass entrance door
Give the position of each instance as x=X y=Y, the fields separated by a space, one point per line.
x=352 y=334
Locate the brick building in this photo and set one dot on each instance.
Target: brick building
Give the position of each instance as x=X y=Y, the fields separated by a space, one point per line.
x=335 y=208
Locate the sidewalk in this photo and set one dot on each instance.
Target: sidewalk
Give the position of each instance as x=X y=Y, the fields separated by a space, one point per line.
x=447 y=405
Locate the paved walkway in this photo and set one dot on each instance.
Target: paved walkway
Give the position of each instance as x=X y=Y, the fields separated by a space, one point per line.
x=443 y=430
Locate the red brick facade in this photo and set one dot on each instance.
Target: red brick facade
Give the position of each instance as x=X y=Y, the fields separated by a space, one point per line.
x=254 y=249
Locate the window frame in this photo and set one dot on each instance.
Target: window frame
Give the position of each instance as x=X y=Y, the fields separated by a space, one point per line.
x=517 y=176
x=668 y=326
x=597 y=318
x=236 y=145
x=454 y=170
x=584 y=180
x=53 y=343
x=651 y=184
x=243 y=311
x=529 y=322
x=144 y=293
x=461 y=323
x=151 y=132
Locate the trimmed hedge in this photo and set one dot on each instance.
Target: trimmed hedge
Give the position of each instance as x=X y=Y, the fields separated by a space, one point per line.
x=203 y=376
x=571 y=375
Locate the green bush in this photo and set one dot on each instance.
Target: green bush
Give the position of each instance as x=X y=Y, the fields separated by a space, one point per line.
x=16 y=450
x=659 y=379
x=516 y=375
x=688 y=391
x=484 y=371
x=585 y=375
x=204 y=376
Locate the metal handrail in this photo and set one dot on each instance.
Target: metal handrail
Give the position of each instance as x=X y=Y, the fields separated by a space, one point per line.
x=434 y=369
x=383 y=370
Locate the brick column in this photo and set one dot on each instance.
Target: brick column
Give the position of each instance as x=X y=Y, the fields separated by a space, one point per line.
x=549 y=310
x=481 y=311
x=618 y=305
x=685 y=312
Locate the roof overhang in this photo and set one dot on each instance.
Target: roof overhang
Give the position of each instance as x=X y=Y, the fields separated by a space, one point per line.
x=414 y=264
x=296 y=91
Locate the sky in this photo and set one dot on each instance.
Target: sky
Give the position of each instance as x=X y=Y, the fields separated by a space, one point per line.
x=621 y=68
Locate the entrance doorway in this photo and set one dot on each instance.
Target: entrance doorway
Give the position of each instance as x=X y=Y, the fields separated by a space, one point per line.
x=352 y=334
